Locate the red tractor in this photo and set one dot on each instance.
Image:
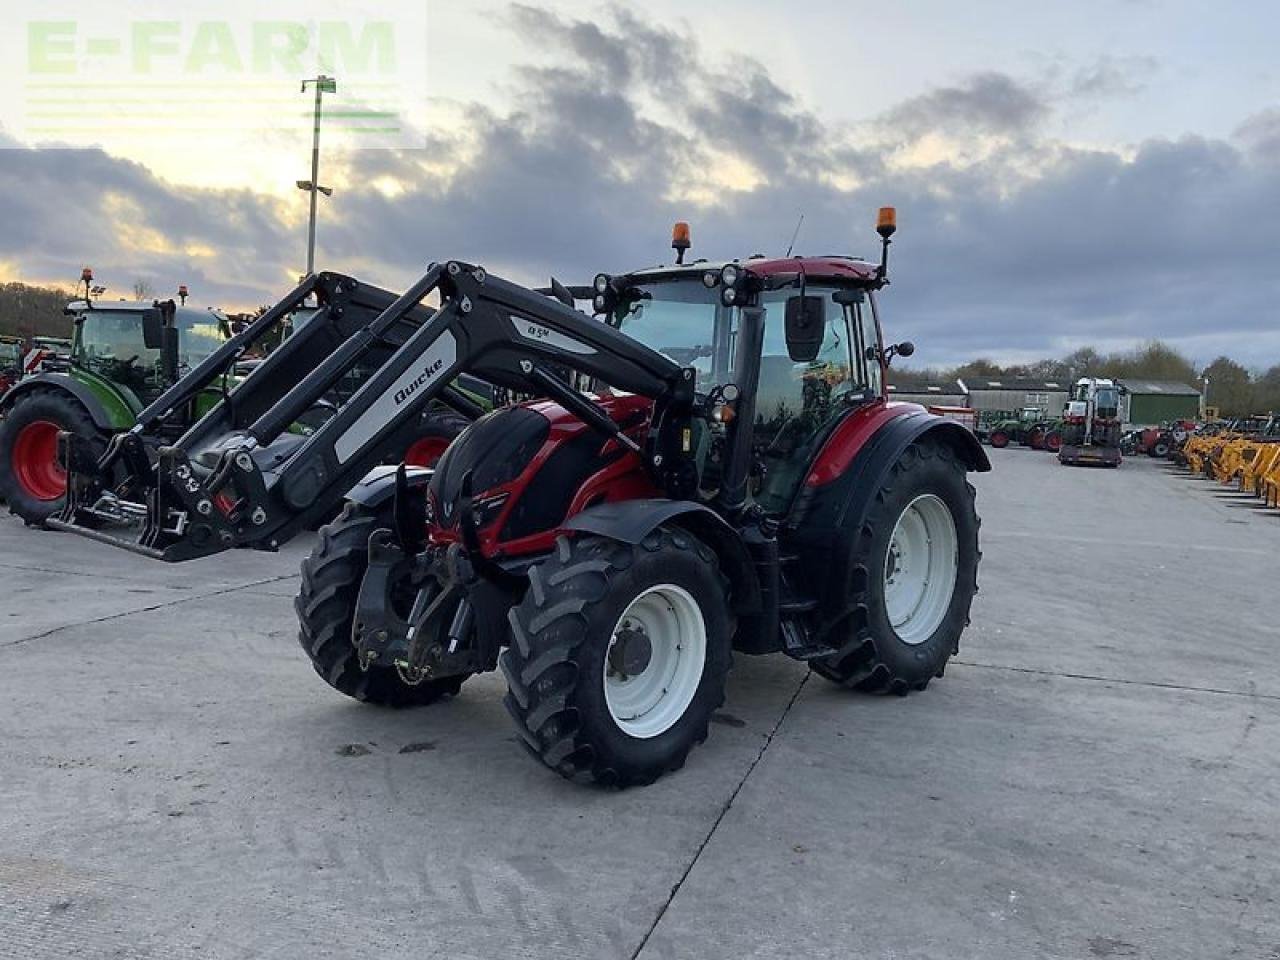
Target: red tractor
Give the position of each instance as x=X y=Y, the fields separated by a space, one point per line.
x=714 y=468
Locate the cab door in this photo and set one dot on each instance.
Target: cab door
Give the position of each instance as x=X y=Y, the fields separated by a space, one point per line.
x=799 y=400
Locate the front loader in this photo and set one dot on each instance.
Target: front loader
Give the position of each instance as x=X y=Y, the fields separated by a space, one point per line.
x=714 y=467
x=211 y=409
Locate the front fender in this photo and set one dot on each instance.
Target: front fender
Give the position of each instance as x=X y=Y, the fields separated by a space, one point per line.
x=378 y=486
x=630 y=521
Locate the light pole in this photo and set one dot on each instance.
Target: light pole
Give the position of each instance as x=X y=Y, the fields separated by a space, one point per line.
x=323 y=85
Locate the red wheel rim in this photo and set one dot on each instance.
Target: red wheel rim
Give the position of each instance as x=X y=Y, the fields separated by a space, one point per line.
x=1053 y=443
x=426 y=452
x=35 y=460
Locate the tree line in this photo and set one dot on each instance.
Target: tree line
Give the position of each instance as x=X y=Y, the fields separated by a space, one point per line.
x=1233 y=388
x=31 y=311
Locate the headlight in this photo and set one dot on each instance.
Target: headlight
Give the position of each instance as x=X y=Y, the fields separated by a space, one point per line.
x=600 y=303
x=728 y=296
x=601 y=282
x=709 y=279
x=729 y=275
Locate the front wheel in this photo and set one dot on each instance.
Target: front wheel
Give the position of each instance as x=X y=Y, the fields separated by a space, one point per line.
x=914 y=574
x=618 y=655
x=999 y=439
x=326 y=605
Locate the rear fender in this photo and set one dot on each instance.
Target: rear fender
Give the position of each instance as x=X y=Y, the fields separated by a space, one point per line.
x=827 y=516
x=630 y=521
x=110 y=417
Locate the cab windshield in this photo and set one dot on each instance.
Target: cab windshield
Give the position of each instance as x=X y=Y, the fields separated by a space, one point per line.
x=685 y=322
x=107 y=339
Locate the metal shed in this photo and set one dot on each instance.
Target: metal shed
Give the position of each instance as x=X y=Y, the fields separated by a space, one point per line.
x=945 y=393
x=1149 y=402
x=1013 y=394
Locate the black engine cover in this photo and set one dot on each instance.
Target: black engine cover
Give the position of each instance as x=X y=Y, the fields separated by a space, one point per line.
x=495 y=450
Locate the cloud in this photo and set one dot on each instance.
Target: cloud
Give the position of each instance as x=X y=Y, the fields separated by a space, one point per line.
x=66 y=208
x=1111 y=76
x=986 y=103
x=1260 y=135
x=1011 y=243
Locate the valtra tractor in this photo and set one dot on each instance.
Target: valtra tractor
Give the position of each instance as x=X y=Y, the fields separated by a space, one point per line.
x=1091 y=424
x=714 y=468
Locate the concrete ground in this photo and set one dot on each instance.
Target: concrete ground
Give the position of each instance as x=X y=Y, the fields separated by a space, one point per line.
x=1096 y=776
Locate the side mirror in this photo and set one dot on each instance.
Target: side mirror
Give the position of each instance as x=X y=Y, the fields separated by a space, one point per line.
x=905 y=349
x=806 y=326
x=152 y=328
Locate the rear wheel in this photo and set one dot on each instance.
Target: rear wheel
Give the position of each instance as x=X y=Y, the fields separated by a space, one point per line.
x=999 y=439
x=1053 y=441
x=1160 y=449
x=914 y=576
x=618 y=655
x=326 y=604
x=30 y=478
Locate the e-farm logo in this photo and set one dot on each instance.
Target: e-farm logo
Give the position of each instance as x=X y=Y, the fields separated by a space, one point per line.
x=96 y=74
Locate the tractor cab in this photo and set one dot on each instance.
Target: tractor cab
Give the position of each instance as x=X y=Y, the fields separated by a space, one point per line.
x=1099 y=395
x=799 y=334
x=127 y=344
x=782 y=352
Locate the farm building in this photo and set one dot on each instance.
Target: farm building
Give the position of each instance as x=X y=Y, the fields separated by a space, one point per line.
x=1013 y=394
x=1149 y=402
x=945 y=393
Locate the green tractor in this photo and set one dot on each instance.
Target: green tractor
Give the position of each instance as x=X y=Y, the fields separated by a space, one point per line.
x=1029 y=428
x=123 y=355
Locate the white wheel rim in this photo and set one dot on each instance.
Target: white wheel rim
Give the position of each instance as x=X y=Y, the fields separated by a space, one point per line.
x=920 y=569
x=650 y=701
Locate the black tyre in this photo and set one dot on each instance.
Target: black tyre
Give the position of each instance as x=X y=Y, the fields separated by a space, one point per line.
x=905 y=626
x=326 y=604
x=618 y=655
x=30 y=478
x=439 y=428
x=999 y=439
x=1160 y=449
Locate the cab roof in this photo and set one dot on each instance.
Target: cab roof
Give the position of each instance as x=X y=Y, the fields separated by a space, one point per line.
x=833 y=268
x=137 y=306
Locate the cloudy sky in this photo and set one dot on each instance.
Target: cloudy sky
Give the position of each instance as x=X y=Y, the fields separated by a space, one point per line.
x=1097 y=172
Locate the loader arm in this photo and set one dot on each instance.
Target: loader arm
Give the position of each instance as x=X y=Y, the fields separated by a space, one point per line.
x=224 y=486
